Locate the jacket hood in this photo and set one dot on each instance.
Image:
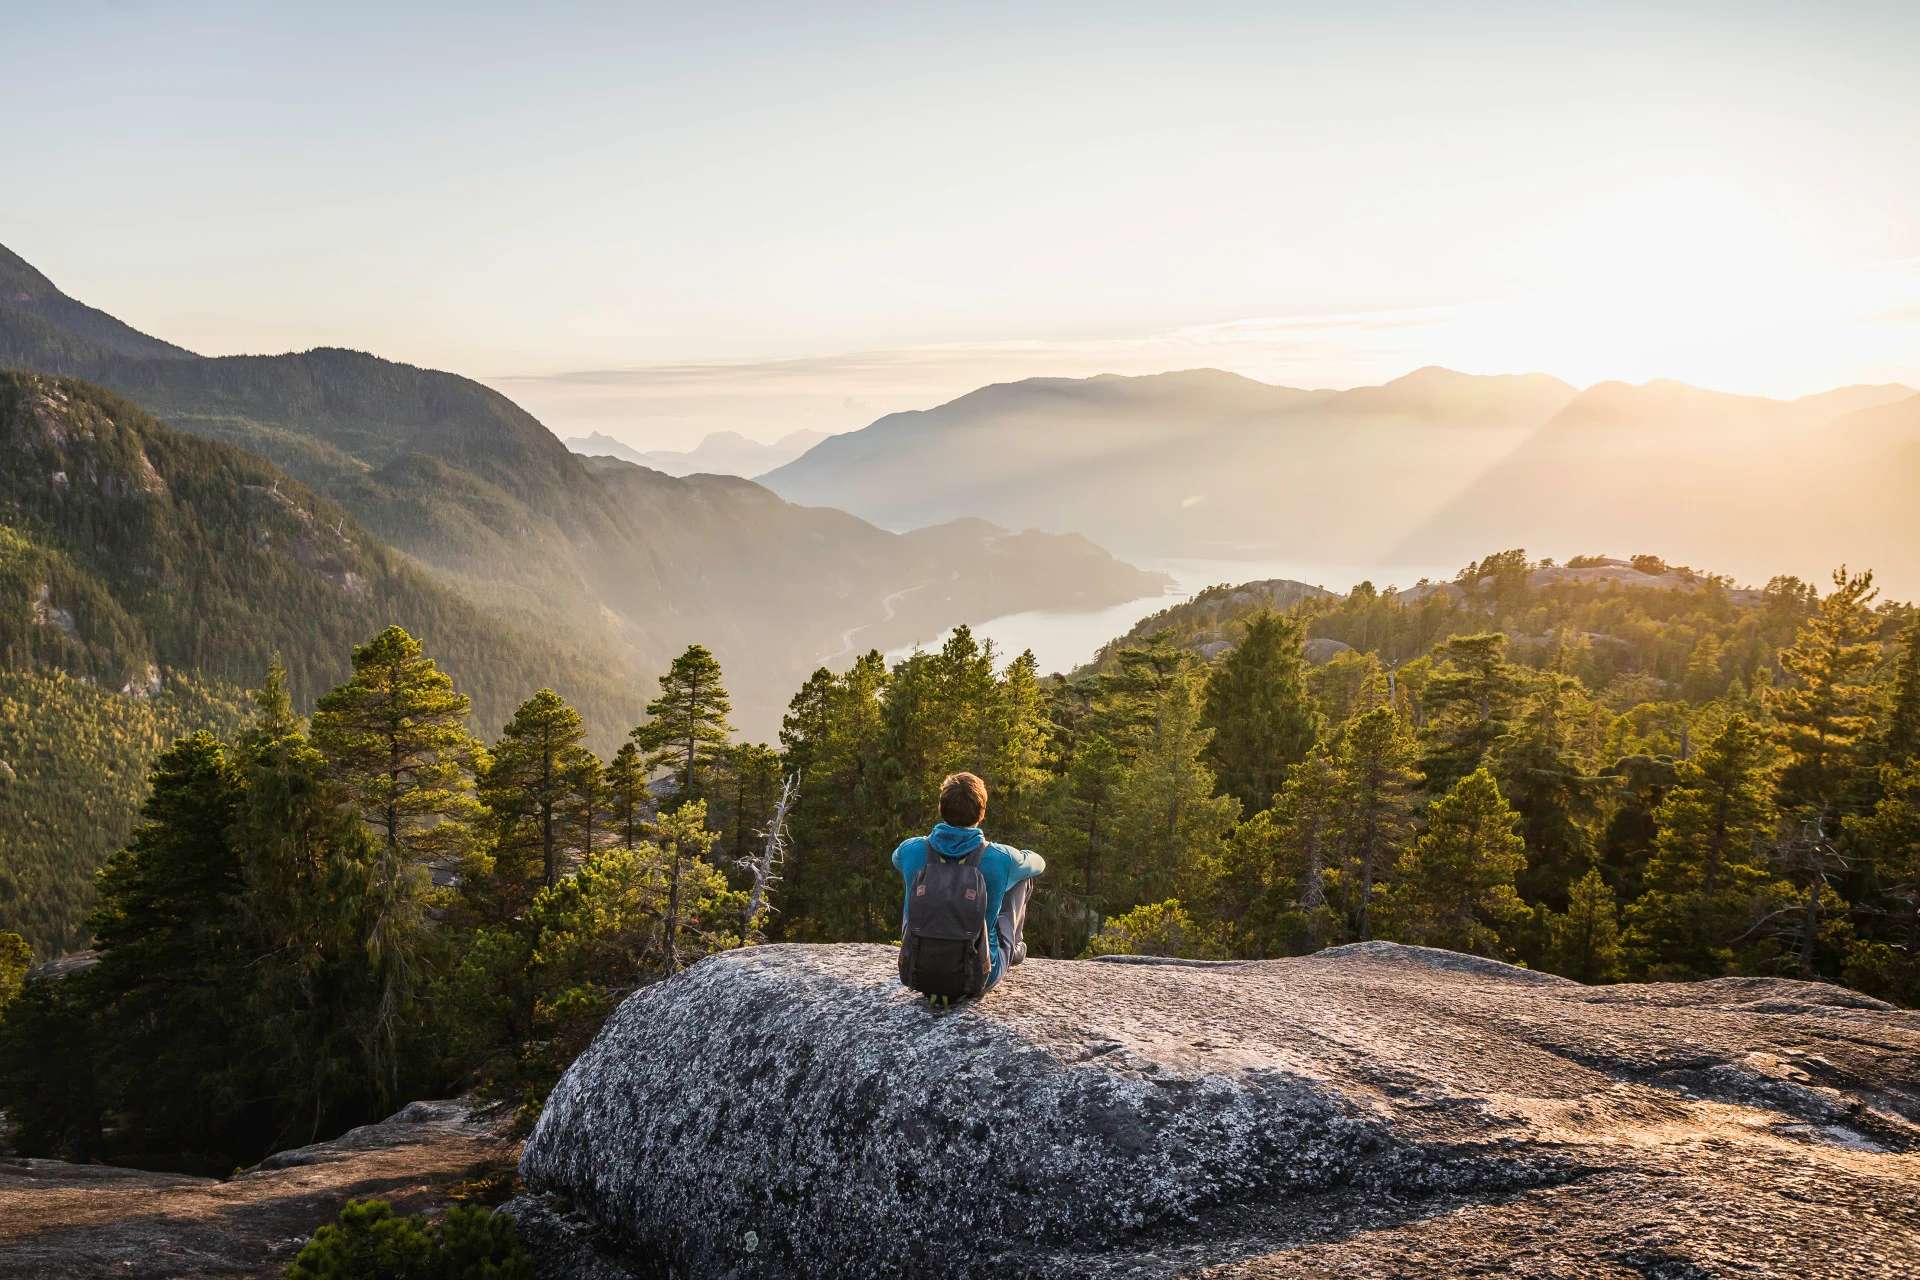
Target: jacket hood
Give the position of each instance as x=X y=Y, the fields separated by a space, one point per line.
x=955 y=842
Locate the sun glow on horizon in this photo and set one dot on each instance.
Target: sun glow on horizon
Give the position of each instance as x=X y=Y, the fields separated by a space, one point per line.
x=1721 y=322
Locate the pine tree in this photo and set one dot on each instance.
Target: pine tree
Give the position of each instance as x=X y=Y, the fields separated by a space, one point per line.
x=15 y=959
x=1541 y=776
x=394 y=737
x=1467 y=700
x=1822 y=718
x=1454 y=888
x=627 y=798
x=528 y=786
x=1016 y=744
x=1085 y=819
x=172 y=955
x=1707 y=869
x=1375 y=762
x=1313 y=816
x=1128 y=698
x=751 y=776
x=1257 y=705
x=337 y=922
x=1584 y=940
x=1174 y=821
x=50 y=1055
x=1901 y=740
x=685 y=841
x=838 y=882
x=1823 y=722
x=1889 y=967
x=688 y=727
x=1702 y=680
x=586 y=818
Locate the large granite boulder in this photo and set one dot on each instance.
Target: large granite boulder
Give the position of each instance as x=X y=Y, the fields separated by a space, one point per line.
x=791 y=1112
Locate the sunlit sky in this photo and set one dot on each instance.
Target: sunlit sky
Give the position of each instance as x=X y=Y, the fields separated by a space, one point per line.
x=659 y=220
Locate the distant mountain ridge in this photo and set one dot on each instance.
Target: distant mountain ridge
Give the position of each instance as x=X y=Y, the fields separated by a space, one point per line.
x=488 y=502
x=1751 y=484
x=27 y=293
x=1431 y=467
x=721 y=453
x=1194 y=463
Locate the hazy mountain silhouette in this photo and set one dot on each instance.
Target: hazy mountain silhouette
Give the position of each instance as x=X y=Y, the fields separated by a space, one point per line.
x=1433 y=467
x=1196 y=463
x=1752 y=485
x=722 y=453
x=492 y=504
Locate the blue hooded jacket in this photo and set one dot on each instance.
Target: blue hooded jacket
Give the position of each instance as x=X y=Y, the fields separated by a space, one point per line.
x=1002 y=866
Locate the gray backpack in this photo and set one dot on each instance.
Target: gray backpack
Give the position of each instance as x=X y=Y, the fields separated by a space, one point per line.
x=944 y=949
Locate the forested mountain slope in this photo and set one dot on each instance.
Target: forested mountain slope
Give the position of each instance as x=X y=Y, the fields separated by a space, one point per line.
x=1756 y=486
x=1193 y=463
x=145 y=577
x=484 y=497
x=768 y=585
x=26 y=296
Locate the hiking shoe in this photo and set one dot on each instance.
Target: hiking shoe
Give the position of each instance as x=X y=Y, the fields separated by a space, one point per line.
x=1018 y=954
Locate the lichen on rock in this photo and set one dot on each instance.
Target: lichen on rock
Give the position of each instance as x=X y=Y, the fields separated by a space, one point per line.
x=791 y=1111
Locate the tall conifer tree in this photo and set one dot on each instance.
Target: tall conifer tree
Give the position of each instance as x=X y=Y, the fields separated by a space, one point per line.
x=1377 y=775
x=688 y=727
x=1584 y=940
x=1262 y=717
x=626 y=781
x=1541 y=775
x=1824 y=715
x=527 y=787
x=685 y=840
x=1901 y=740
x=1823 y=722
x=1454 y=888
x=1314 y=815
x=338 y=923
x=1709 y=860
x=172 y=954
x=1468 y=700
x=394 y=736
x=1175 y=822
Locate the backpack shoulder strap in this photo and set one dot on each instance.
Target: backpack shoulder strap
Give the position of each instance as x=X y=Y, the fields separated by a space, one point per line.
x=974 y=857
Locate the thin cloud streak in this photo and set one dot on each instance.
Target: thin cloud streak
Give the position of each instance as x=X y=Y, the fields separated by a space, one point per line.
x=1781 y=334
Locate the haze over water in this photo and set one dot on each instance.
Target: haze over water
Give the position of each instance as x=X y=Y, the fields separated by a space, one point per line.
x=1062 y=641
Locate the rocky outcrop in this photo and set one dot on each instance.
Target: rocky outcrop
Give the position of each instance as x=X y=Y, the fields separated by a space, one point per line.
x=1323 y=649
x=790 y=1111
x=80 y=1221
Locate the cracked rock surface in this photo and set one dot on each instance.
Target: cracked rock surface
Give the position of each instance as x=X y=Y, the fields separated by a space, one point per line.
x=789 y=1111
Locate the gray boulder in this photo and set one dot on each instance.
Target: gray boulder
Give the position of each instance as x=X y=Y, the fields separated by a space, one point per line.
x=1321 y=649
x=789 y=1111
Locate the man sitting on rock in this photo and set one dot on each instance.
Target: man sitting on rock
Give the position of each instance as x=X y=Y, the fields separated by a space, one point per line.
x=958 y=882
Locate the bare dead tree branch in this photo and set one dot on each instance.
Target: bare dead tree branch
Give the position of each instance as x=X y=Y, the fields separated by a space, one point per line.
x=764 y=865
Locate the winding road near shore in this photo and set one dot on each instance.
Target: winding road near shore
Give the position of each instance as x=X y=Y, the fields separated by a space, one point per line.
x=892 y=606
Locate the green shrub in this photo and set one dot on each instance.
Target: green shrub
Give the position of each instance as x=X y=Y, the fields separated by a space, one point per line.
x=370 y=1243
x=1155 y=929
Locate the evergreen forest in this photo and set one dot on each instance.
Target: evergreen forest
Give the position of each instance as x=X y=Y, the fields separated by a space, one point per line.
x=1644 y=777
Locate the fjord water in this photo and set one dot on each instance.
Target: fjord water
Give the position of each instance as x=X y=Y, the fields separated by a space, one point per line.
x=1064 y=640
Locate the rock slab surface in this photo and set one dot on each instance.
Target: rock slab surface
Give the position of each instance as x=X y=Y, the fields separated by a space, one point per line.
x=92 y=1222
x=789 y=1111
